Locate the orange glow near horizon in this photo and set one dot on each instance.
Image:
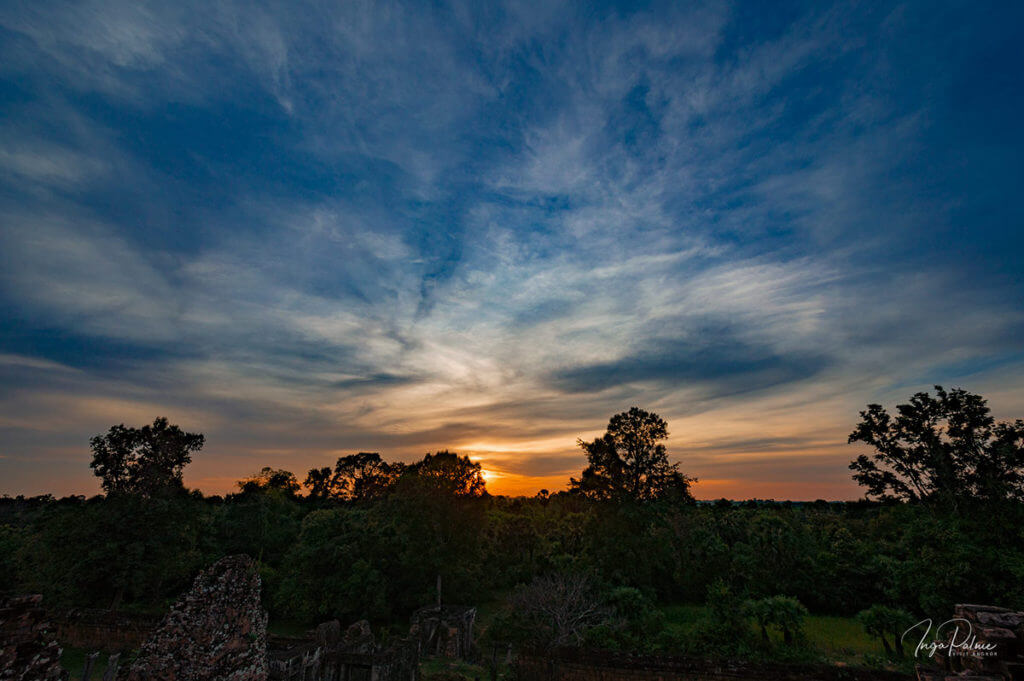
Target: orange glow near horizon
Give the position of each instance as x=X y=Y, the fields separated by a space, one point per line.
x=794 y=449
x=513 y=485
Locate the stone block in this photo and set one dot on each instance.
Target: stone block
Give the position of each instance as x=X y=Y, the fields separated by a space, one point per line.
x=216 y=631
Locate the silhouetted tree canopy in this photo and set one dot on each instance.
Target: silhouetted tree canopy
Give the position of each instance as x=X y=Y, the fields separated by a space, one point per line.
x=364 y=477
x=146 y=461
x=318 y=482
x=629 y=462
x=357 y=477
x=449 y=474
x=944 y=447
x=270 y=479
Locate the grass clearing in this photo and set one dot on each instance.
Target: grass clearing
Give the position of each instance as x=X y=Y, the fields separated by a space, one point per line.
x=841 y=639
x=838 y=639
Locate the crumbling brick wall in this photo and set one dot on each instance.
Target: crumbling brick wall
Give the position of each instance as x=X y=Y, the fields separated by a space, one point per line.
x=28 y=651
x=216 y=631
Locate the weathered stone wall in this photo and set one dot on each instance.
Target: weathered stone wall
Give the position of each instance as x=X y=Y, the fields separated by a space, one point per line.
x=216 y=631
x=987 y=645
x=446 y=630
x=333 y=655
x=28 y=651
x=581 y=665
x=102 y=629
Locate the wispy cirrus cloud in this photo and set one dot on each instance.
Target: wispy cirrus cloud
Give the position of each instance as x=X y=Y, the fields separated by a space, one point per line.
x=387 y=226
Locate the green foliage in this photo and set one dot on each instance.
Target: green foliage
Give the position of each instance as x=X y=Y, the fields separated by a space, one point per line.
x=124 y=549
x=832 y=638
x=337 y=568
x=12 y=539
x=373 y=538
x=262 y=521
x=382 y=558
x=887 y=625
x=633 y=624
x=836 y=562
x=723 y=630
x=780 y=612
x=437 y=511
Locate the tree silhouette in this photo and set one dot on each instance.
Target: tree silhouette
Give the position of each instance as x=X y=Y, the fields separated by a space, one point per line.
x=782 y=612
x=449 y=474
x=946 y=447
x=146 y=461
x=629 y=462
x=438 y=511
x=554 y=610
x=889 y=625
x=270 y=479
x=318 y=482
x=363 y=477
x=356 y=477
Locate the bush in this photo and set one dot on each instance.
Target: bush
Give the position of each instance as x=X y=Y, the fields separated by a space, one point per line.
x=780 y=612
x=888 y=625
x=723 y=631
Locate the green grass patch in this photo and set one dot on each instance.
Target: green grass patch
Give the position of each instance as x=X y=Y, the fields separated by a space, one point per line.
x=839 y=640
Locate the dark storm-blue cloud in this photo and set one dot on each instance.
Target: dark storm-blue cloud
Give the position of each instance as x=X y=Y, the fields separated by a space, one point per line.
x=732 y=367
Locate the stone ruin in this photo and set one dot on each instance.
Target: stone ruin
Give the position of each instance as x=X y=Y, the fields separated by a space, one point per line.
x=216 y=631
x=444 y=630
x=995 y=653
x=92 y=628
x=28 y=651
x=331 y=655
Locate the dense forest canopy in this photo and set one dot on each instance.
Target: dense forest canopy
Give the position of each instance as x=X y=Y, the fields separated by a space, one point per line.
x=370 y=538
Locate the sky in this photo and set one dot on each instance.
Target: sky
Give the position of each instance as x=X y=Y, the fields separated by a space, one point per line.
x=312 y=229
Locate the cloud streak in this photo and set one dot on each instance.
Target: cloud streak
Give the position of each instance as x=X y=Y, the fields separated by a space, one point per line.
x=390 y=227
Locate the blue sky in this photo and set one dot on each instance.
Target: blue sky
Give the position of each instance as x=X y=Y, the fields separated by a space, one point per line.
x=312 y=229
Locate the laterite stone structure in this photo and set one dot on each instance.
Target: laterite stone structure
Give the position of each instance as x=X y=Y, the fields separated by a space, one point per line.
x=28 y=651
x=216 y=631
x=988 y=646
